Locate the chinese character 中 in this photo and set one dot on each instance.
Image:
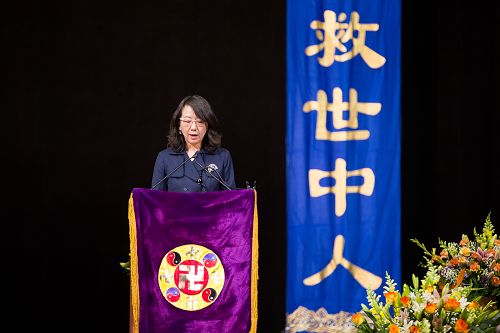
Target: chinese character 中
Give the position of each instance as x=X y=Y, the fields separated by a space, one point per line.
x=341 y=189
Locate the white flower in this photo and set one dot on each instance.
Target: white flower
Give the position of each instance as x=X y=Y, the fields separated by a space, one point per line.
x=405 y=328
x=428 y=297
x=426 y=326
x=418 y=307
x=463 y=303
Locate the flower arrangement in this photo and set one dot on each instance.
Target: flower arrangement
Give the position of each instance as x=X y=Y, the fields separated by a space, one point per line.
x=474 y=263
x=126 y=266
x=457 y=294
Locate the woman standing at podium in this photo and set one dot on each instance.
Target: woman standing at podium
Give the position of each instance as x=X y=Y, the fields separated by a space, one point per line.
x=194 y=160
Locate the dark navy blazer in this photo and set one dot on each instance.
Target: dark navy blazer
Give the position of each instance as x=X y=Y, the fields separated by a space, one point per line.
x=194 y=176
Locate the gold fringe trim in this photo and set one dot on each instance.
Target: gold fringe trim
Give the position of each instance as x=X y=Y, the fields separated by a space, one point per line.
x=255 y=267
x=134 y=272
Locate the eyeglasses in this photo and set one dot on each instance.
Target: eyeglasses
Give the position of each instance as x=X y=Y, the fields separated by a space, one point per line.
x=186 y=122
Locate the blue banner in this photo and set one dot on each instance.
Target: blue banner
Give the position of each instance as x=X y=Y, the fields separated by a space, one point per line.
x=343 y=157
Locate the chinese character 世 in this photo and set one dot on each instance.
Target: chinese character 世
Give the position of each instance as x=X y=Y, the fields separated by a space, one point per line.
x=338 y=107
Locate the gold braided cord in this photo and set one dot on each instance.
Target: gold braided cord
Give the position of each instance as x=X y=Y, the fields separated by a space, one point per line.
x=134 y=272
x=255 y=266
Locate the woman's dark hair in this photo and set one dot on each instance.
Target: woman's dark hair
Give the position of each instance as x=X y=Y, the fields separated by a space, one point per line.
x=203 y=110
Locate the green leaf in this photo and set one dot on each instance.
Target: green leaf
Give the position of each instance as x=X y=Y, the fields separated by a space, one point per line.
x=414 y=279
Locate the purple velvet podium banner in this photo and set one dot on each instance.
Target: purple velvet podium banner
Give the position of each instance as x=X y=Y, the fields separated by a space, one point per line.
x=194 y=261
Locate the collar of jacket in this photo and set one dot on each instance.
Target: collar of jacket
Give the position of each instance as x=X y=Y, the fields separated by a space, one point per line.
x=201 y=151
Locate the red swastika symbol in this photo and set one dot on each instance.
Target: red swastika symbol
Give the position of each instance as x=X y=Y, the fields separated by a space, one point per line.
x=191 y=277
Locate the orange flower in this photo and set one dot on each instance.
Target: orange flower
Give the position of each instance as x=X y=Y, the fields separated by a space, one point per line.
x=464 y=241
x=405 y=301
x=473 y=305
x=391 y=297
x=496 y=268
x=414 y=329
x=465 y=251
x=474 y=267
x=452 y=304
x=461 y=326
x=455 y=261
x=430 y=308
x=495 y=281
x=357 y=319
x=460 y=278
x=443 y=254
x=393 y=328
x=491 y=252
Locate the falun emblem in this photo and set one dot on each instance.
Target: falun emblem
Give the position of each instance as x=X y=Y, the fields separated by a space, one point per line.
x=191 y=277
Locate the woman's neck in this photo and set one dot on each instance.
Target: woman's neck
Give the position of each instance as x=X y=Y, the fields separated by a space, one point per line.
x=191 y=150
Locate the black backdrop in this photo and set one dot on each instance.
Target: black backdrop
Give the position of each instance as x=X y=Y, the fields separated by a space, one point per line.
x=88 y=90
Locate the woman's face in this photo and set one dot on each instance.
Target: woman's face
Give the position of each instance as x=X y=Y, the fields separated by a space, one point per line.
x=193 y=129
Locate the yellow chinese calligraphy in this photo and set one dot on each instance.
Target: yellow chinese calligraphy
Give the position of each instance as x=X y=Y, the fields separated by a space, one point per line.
x=366 y=279
x=338 y=107
x=335 y=34
x=340 y=189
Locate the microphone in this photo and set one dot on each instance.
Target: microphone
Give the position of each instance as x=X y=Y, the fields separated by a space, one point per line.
x=176 y=168
x=209 y=169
